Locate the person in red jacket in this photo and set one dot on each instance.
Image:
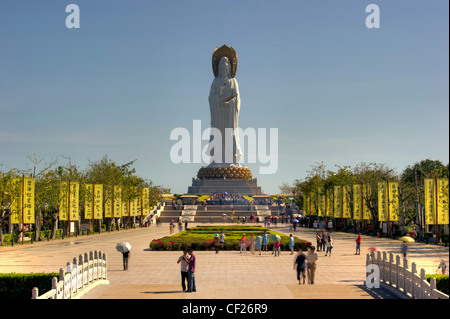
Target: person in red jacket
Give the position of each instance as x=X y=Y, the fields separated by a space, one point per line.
x=358 y=245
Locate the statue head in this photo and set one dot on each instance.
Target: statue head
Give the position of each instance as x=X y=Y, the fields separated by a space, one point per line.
x=224 y=52
x=225 y=67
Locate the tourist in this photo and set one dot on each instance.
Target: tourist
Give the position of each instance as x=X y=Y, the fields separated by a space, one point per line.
x=311 y=259
x=324 y=239
x=258 y=244
x=405 y=249
x=126 y=256
x=184 y=268
x=291 y=244
x=265 y=238
x=252 y=243
x=330 y=226
x=242 y=244
x=318 y=241
x=216 y=243
x=191 y=271
x=171 y=227
x=328 y=244
x=222 y=240
x=180 y=225
x=186 y=224
x=358 y=244
x=443 y=267
x=276 y=247
x=299 y=261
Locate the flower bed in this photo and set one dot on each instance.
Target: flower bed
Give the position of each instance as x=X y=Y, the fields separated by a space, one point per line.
x=202 y=238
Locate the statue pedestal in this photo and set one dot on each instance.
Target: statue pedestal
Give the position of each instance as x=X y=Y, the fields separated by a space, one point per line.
x=210 y=186
x=220 y=179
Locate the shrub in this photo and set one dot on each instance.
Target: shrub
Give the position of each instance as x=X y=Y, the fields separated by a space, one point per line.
x=19 y=286
x=441 y=282
x=201 y=238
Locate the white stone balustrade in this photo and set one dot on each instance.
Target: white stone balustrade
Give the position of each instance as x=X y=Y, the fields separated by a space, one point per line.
x=83 y=274
x=403 y=281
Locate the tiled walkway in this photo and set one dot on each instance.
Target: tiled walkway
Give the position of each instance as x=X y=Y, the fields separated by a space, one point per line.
x=229 y=274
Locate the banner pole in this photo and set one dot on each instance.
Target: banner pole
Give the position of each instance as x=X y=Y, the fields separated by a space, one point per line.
x=437 y=207
x=23 y=206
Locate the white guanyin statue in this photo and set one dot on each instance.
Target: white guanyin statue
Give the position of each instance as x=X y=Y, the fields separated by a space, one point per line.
x=224 y=104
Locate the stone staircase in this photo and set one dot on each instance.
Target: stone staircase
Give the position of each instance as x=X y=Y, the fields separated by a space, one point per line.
x=216 y=213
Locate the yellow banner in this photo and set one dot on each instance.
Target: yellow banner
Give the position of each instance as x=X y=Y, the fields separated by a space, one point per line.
x=329 y=205
x=64 y=201
x=443 y=216
x=394 y=202
x=125 y=208
x=133 y=207
x=98 y=201
x=305 y=204
x=321 y=208
x=338 y=202
x=313 y=204
x=28 y=193
x=108 y=203
x=346 y=209
x=430 y=202
x=16 y=205
x=145 y=201
x=89 y=201
x=117 y=201
x=74 y=201
x=357 y=202
x=366 y=194
x=382 y=202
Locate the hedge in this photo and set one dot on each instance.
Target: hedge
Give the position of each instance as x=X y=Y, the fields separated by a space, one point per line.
x=202 y=238
x=19 y=286
x=441 y=282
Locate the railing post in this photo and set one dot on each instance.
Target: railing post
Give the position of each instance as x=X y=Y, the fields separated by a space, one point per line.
x=413 y=280
x=105 y=263
x=397 y=271
x=432 y=287
x=405 y=274
x=34 y=293
x=391 y=263
x=423 y=286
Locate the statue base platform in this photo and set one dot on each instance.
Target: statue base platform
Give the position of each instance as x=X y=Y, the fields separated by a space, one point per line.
x=210 y=186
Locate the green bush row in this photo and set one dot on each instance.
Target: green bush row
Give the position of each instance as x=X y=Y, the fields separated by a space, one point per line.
x=19 y=286
x=202 y=238
x=441 y=282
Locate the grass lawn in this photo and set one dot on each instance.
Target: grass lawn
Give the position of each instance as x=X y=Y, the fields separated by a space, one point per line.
x=202 y=238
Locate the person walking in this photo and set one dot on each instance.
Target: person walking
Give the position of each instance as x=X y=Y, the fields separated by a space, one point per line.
x=126 y=256
x=276 y=247
x=265 y=238
x=191 y=271
x=405 y=249
x=318 y=241
x=329 y=225
x=222 y=240
x=358 y=244
x=311 y=259
x=184 y=266
x=258 y=244
x=252 y=243
x=299 y=261
x=242 y=244
x=291 y=244
x=216 y=243
x=328 y=244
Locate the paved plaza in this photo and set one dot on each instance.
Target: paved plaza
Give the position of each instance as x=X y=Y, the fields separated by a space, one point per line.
x=227 y=275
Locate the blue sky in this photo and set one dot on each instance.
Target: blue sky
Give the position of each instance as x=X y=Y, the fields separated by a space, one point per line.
x=338 y=92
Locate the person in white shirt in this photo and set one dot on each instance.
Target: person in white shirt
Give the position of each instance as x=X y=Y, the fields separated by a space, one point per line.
x=311 y=259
